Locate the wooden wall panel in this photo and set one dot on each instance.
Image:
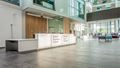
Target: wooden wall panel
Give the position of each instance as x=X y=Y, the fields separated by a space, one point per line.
x=66 y=26
x=35 y=25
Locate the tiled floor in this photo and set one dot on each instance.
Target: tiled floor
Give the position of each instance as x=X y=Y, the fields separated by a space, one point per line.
x=86 y=54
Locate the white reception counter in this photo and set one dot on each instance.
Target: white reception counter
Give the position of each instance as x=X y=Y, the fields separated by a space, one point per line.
x=53 y=40
x=21 y=45
x=41 y=41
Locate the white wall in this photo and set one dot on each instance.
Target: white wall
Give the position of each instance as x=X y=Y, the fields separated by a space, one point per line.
x=118 y=4
x=9 y=15
x=26 y=3
x=61 y=6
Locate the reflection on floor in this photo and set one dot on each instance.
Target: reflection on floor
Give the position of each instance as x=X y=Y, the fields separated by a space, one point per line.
x=87 y=54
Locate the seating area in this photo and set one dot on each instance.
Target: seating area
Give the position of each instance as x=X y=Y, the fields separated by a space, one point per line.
x=106 y=37
x=115 y=35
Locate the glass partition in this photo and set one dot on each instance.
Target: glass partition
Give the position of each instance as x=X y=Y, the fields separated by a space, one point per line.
x=15 y=2
x=55 y=26
x=96 y=2
x=105 y=27
x=77 y=8
x=45 y=3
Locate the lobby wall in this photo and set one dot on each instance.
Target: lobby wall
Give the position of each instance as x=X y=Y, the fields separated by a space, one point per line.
x=10 y=23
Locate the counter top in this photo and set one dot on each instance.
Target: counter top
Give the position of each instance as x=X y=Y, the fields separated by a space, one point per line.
x=22 y=39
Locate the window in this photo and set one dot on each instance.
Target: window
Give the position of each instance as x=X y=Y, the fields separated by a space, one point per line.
x=77 y=8
x=114 y=0
x=95 y=2
x=104 y=1
x=45 y=3
x=15 y=2
x=99 y=8
x=55 y=26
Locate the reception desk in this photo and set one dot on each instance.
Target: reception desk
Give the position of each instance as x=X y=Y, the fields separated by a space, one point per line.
x=54 y=40
x=21 y=45
x=41 y=41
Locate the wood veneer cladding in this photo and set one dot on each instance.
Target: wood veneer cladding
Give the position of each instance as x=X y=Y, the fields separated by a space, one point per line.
x=34 y=25
x=66 y=26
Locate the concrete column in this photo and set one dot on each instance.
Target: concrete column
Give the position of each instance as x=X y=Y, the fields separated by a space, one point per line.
x=115 y=30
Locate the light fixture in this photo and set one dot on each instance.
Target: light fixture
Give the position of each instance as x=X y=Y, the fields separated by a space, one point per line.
x=36 y=15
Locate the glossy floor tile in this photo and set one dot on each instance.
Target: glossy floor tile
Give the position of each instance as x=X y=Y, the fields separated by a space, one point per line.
x=86 y=54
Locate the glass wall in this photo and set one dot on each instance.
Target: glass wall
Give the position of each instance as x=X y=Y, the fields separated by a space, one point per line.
x=55 y=26
x=45 y=3
x=15 y=2
x=105 y=27
x=77 y=8
x=95 y=2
